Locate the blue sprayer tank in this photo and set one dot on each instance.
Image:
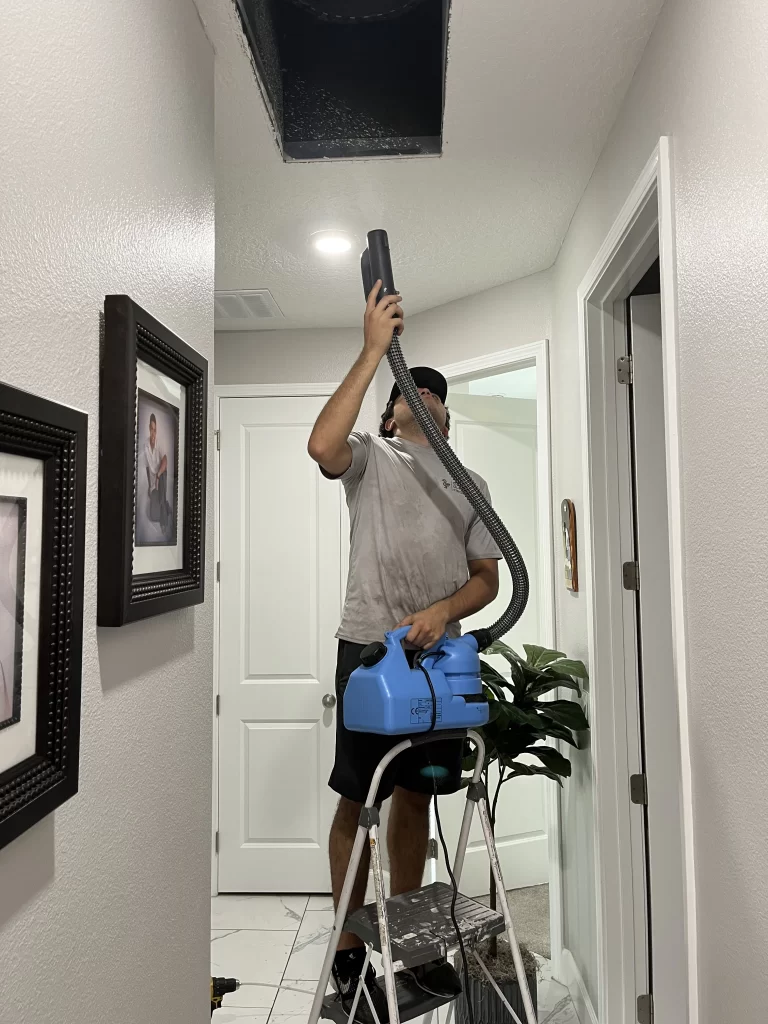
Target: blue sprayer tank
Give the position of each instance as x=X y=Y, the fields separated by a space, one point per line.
x=386 y=696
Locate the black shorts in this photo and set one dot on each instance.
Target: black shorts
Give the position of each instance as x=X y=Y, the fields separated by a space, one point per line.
x=358 y=753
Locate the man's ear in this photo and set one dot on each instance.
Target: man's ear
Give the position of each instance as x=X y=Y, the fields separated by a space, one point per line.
x=389 y=425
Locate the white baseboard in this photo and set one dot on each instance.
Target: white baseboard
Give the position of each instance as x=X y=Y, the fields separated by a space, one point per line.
x=575 y=983
x=369 y=893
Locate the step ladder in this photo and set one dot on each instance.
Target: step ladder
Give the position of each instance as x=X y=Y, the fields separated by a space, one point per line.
x=416 y=927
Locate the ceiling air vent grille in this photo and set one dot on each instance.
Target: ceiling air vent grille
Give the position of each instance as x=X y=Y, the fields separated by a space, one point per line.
x=239 y=310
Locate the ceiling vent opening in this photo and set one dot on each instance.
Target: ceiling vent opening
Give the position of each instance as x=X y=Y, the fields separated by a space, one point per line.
x=244 y=310
x=351 y=78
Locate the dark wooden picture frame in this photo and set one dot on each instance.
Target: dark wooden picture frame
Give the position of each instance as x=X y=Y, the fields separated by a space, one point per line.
x=35 y=428
x=131 y=334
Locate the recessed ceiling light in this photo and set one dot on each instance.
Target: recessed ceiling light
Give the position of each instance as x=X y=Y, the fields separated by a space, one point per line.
x=331 y=242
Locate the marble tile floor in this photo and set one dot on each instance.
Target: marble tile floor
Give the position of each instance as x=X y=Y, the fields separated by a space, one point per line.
x=275 y=946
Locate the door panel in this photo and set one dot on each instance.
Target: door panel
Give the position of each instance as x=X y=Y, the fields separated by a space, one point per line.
x=280 y=602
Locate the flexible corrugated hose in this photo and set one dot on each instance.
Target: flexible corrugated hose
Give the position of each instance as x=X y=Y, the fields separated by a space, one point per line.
x=476 y=498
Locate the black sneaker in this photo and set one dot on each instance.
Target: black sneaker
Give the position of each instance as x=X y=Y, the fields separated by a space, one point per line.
x=438 y=978
x=347 y=968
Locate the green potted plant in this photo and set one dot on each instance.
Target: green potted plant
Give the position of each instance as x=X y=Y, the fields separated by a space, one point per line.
x=523 y=716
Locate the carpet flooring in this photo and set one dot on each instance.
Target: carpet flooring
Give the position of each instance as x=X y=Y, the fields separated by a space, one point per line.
x=530 y=916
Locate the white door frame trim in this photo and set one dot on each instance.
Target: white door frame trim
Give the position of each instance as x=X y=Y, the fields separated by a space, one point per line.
x=535 y=354
x=595 y=294
x=221 y=391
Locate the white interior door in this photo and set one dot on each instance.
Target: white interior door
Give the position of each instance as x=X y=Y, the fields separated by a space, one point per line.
x=280 y=601
x=496 y=437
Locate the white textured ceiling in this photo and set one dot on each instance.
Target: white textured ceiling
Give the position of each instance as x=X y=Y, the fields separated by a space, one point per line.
x=533 y=88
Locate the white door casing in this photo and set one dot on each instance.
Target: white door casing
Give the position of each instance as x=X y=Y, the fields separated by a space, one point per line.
x=644 y=225
x=279 y=607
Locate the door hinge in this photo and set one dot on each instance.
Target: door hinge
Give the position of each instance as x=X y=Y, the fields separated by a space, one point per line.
x=217 y=842
x=638 y=789
x=645 y=1009
x=624 y=369
x=218 y=703
x=630 y=573
x=217 y=435
x=432 y=853
x=218 y=572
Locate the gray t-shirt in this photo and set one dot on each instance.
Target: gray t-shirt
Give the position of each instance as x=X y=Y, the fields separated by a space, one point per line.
x=412 y=533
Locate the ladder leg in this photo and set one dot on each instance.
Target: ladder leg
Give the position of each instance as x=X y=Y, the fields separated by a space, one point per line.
x=482 y=809
x=361 y=985
x=381 y=910
x=338 y=924
x=469 y=806
x=461 y=849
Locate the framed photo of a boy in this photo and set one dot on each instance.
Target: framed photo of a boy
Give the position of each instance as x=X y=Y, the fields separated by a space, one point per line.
x=153 y=446
x=157 y=477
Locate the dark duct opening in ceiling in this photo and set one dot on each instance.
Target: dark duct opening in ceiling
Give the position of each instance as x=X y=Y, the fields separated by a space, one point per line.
x=351 y=78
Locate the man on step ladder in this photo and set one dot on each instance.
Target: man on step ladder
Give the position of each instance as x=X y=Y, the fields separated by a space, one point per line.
x=419 y=556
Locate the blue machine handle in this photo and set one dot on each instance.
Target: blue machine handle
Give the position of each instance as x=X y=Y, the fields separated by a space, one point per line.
x=399 y=634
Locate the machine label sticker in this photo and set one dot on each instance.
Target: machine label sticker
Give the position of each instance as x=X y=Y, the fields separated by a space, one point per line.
x=421 y=710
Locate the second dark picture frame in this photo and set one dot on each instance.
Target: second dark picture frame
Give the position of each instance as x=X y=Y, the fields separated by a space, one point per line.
x=52 y=439
x=135 y=342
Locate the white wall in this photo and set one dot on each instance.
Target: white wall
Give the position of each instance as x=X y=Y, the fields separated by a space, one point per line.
x=702 y=80
x=300 y=356
x=106 y=131
x=505 y=317
x=274 y=357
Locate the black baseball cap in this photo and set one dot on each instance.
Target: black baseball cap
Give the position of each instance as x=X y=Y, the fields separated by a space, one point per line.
x=425 y=377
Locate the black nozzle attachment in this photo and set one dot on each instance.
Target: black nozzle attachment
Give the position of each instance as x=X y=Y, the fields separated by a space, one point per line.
x=376 y=265
x=484 y=638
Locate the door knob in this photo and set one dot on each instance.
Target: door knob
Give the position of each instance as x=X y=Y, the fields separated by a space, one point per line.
x=329 y=701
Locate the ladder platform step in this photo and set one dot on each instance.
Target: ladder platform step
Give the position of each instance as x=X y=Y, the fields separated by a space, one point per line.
x=420 y=925
x=411 y=1001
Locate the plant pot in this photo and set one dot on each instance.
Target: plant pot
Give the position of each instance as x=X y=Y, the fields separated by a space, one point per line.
x=486 y=1005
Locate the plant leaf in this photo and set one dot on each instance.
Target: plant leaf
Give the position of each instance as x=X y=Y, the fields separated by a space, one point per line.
x=567 y=713
x=489 y=674
x=499 y=647
x=539 y=657
x=559 y=732
x=549 y=774
x=521 y=717
x=534 y=769
x=572 y=668
x=552 y=759
x=495 y=710
x=494 y=688
x=510 y=656
x=550 y=683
